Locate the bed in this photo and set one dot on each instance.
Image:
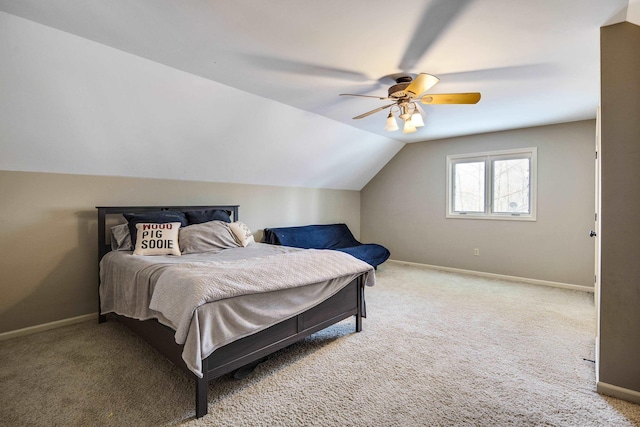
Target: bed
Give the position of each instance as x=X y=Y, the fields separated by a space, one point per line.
x=251 y=306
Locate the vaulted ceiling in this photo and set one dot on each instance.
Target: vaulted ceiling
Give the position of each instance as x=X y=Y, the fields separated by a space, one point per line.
x=269 y=74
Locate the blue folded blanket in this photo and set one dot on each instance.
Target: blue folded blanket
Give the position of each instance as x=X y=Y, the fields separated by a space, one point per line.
x=327 y=236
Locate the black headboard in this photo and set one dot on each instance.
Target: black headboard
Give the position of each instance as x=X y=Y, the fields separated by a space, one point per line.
x=104 y=212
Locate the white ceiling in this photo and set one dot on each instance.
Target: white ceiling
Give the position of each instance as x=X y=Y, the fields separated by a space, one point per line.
x=535 y=62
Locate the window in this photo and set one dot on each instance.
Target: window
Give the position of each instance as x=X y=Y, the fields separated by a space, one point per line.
x=495 y=185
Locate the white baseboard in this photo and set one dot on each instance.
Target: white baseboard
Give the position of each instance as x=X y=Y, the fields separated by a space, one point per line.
x=618 y=392
x=46 y=326
x=501 y=276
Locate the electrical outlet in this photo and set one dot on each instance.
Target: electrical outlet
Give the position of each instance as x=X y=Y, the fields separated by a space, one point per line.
x=476 y=251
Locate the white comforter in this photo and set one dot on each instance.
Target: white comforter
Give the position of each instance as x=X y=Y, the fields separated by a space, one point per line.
x=232 y=294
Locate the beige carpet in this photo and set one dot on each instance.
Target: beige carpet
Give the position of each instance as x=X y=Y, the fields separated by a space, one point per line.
x=437 y=349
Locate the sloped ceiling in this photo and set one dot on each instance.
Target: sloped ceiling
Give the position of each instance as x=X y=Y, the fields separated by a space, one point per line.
x=247 y=91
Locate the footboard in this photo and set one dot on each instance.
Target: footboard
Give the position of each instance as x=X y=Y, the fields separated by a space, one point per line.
x=238 y=353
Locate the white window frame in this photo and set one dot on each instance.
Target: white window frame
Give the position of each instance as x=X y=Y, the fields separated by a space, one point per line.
x=488 y=158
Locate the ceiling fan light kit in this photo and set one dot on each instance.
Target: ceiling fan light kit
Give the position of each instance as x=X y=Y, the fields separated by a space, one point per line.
x=412 y=119
x=406 y=93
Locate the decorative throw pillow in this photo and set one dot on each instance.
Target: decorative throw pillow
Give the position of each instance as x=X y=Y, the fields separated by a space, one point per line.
x=159 y=217
x=120 y=238
x=242 y=233
x=157 y=239
x=199 y=217
x=206 y=237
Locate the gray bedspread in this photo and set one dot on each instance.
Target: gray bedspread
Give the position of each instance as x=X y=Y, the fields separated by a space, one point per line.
x=214 y=298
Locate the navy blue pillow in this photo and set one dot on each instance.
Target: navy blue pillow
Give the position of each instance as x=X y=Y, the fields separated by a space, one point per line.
x=199 y=217
x=159 y=217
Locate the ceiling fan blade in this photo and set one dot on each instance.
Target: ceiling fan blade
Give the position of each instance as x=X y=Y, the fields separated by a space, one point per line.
x=422 y=83
x=435 y=19
x=451 y=98
x=304 y=68
x=512 y=73
x=363 y=96
x=373 y=111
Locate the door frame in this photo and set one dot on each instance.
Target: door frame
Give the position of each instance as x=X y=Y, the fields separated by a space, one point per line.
x=597 y=247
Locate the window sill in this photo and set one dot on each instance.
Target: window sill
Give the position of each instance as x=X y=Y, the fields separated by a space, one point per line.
x=492 y=217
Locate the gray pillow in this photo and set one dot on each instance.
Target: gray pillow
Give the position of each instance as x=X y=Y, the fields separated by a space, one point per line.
x=206 y=237
x=120 y=238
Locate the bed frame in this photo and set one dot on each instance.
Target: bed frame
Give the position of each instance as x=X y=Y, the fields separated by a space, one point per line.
x=347 y=302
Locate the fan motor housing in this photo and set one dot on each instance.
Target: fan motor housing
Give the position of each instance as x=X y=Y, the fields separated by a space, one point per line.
x=398 y=90
x=403 y=80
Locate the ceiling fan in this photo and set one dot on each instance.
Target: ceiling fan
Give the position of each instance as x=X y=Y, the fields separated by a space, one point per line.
x=407 y=93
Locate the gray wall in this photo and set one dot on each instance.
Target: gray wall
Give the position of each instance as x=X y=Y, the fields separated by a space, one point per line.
x=620 y=229
x=48 y=231
x=403 y=207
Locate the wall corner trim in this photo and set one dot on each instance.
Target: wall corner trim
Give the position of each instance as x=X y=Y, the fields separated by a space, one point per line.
x=500 y=276
x=47 y=326
x=618 y=392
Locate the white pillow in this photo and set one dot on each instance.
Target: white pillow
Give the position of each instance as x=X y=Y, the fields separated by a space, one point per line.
x=242 y=233
x=157 y=239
